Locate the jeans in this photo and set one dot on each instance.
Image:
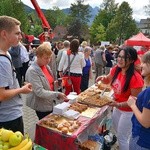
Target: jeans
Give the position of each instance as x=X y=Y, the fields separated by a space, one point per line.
x=122 y=124
x=133 y=144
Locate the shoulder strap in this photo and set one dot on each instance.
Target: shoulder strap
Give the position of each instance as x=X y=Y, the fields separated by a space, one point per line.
x=69 y=64
x=6 y=57
x=13 y=69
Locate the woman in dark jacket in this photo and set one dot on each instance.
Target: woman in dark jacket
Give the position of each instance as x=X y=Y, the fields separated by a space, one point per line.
x=109 y=58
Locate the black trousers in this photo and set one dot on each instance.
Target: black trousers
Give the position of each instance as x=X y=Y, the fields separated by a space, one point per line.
x=14 y=125
x=42 y=114
x=24 y=68
x=84 y=82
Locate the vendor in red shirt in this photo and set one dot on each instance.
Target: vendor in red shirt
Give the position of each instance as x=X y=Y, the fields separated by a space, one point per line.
x=142 y=51
x=125 y=81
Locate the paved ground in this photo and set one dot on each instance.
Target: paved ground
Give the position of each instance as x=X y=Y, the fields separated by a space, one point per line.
x=30 y=119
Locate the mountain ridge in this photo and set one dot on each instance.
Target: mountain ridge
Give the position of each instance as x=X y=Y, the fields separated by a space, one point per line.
x=94 y=11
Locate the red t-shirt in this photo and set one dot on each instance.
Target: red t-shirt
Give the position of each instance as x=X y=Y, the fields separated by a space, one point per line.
x=140 y=52
x=48 y=76
x=135 y=82
x=137 y=62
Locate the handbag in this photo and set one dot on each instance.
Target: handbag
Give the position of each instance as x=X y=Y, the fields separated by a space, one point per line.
x=66 y=80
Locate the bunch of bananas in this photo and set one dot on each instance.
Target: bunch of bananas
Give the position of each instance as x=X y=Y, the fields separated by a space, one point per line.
x=26 y=144
x=10 y=140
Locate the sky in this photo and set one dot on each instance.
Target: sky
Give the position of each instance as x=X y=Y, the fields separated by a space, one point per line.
x=136 y=5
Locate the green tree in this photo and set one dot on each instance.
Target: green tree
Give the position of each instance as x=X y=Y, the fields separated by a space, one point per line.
x=74 y=29
x=35 y=24
x=80 y=11
x=122 y=26
x=56 y=17
x=107 y=12
x=15 y=9
x=78 y=19
x=97 y=33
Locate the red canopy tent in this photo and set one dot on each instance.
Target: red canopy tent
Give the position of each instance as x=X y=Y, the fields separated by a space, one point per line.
x=138 y=40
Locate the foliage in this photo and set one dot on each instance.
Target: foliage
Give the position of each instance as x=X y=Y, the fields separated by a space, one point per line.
x=15 y=9
x=102 y=19
x=78 y=19
x=107 y=12
x=36 y=30
x=35 y=25
x=80 y=11
x=74 y=29
x=56 y=17
x=122 y=26
x=97 y=32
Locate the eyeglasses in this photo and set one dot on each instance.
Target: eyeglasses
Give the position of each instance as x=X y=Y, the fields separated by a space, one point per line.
x=122 y=57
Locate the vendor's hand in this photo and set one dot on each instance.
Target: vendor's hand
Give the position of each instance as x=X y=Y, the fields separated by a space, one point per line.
x=131 y=101
x=27 y=88
x=101 y=78
x=114 y=104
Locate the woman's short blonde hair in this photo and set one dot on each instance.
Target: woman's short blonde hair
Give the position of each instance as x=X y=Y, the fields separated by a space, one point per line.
x=43 y=49
x=84 y=44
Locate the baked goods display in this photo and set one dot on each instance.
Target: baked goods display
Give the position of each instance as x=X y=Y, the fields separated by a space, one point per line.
x=91 y=96
x=90 y=112
x=89 y=145
x=60 y=123
x=90 y=92
x=96 y=101
x=78 y=107
x=102 y=86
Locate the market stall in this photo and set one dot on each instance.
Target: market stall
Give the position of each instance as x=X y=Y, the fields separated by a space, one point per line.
x=59 y=132
x=138 y=40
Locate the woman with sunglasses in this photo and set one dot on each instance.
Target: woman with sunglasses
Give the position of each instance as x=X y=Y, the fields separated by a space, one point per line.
x=125 y=81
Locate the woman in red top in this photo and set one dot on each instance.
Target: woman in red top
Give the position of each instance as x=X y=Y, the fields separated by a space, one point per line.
x=125 y=81
x=39 y=74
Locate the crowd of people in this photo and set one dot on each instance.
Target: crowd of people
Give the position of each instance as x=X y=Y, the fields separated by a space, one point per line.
x=39 y=71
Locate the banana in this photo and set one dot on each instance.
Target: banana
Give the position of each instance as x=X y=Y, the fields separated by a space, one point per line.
x=21 y=145
x=28 y=146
